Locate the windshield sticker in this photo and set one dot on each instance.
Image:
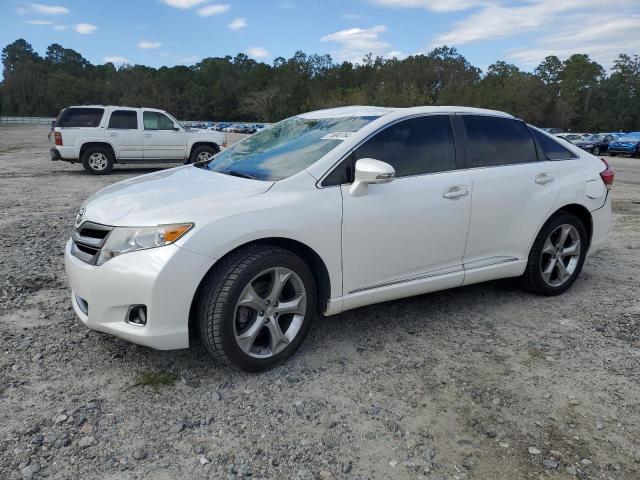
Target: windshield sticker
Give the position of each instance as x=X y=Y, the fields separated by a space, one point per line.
x=337 y=135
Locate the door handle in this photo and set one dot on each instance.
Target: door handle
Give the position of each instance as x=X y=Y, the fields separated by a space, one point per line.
x=147 y=135
x=543 y=179
x=455 y=192
x=113 y=134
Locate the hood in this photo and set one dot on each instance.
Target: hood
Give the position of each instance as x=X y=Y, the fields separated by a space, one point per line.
x=200 y=131
x=586 y=143
x=170 y=196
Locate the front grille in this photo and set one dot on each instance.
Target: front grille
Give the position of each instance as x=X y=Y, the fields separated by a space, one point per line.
x=88 y=239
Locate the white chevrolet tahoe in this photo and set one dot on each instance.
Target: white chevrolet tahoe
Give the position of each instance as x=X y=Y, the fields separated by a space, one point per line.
x=100 y=136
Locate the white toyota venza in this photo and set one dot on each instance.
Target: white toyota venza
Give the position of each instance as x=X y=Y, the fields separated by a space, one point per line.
x=328 y=211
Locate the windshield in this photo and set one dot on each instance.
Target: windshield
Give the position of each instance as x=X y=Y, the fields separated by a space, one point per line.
x=285 y=148
x=174 y=119
x=594 y=138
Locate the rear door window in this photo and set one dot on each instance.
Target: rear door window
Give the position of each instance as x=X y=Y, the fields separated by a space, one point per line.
x=493 y=141
x=549 y=148
x=124 y=120
x=80 y=117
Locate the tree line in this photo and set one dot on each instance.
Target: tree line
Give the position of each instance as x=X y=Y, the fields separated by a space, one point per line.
x=576 y=94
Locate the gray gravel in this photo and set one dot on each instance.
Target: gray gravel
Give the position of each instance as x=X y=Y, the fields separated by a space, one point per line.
x=452 y=385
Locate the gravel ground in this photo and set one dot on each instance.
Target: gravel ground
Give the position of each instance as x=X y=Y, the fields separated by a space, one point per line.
x=484 y=382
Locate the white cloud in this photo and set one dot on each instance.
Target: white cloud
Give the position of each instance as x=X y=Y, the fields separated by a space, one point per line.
x=433 y=5
x=355 y=43
x=602 y=37
x=352 y=16
x=257 y=52
x=189 y=60
x=497 y=21
x=238 y=24
x=43 y=9
x=147 y=45
x=215 y=9
x=85 y=28
x=116 y=59
x=184 y=4
x=60 y=28
x=39 y=22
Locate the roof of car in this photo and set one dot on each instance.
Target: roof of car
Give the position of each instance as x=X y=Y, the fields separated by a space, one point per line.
x=366 y=111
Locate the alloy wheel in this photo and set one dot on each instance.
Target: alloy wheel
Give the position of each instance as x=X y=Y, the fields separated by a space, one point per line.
x=560 y=255
x=98 y=161
x=204 y=156
x=270 y=312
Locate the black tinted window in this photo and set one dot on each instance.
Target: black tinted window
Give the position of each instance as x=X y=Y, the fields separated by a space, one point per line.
x=497 y=141
x=414 y=146
x=551 y=149
x=157 y=121
x=124 y=119
x=80 y=117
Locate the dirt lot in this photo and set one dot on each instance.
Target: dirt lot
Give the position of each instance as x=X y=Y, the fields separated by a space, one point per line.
x=483 y=382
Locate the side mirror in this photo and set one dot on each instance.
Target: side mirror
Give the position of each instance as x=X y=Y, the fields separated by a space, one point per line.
x=369 y=170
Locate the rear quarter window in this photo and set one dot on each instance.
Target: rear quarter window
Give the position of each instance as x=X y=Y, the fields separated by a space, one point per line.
x=549 y=148
x=80 y=117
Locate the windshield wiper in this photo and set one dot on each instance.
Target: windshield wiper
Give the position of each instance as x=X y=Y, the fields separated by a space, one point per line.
x=236 y=173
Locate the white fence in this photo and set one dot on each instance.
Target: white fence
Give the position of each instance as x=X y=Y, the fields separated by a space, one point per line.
x=31 y=120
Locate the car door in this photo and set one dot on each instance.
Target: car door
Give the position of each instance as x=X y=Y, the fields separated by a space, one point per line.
x=513 y=194
x=404 y=234
x=162 y=138
x=125 y=134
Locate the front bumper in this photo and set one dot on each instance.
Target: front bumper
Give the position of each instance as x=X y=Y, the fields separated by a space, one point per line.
x=164 y=279
x=622 y=150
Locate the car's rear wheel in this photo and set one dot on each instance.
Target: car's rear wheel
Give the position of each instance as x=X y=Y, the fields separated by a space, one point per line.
x=256 y=307
x=203 y=153
x=97 y=160
x=557 y=256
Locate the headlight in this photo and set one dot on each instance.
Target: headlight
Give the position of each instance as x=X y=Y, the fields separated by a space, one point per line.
x=129 y=239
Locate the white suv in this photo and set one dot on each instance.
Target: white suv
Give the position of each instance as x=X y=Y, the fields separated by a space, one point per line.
x=329 y=211
x=99 y=136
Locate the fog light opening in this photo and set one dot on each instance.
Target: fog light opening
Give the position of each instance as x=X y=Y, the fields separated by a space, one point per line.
x=137 y=315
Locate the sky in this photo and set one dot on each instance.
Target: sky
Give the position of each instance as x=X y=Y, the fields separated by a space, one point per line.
x=172 y=32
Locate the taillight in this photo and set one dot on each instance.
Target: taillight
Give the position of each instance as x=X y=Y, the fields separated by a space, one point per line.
x=607 y=175
x=58 y=138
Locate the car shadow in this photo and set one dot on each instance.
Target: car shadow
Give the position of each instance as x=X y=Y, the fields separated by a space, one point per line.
x=446 y=311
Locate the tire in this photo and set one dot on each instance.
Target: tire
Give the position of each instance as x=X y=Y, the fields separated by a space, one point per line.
x=97 y=160
x=198 y=154
x=596 y=151
x=543 y=275
x=232 y=323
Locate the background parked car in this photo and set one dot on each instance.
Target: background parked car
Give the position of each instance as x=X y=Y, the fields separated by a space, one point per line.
x=571 y=137
x=627 y=144
x=597 y=143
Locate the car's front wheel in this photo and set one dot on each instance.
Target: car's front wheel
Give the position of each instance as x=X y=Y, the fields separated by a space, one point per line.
x=203 y=153
x=256 y=307
x=596 y=150
x=557 y=255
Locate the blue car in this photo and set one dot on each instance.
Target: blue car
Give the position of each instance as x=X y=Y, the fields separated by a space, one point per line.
x=627 y=144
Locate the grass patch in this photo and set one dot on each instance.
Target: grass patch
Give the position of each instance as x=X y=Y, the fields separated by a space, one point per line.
x=155 y=379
